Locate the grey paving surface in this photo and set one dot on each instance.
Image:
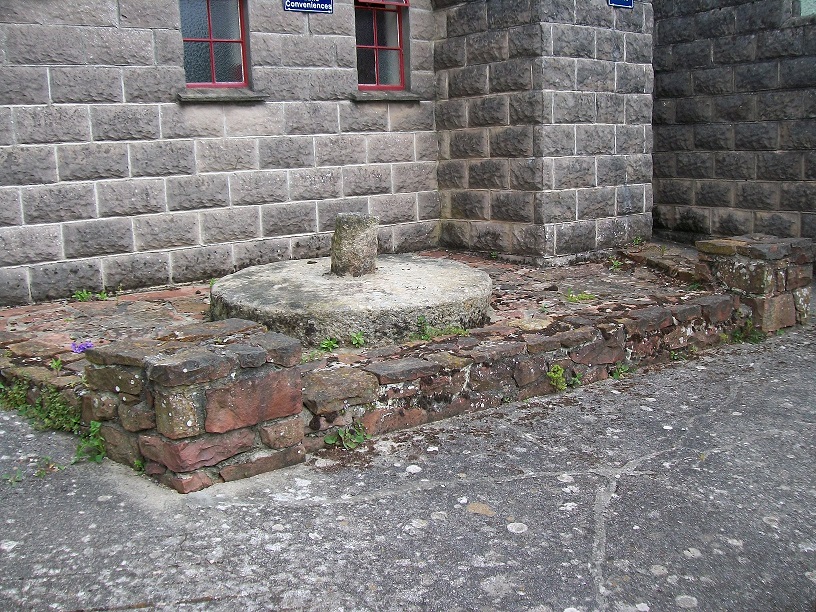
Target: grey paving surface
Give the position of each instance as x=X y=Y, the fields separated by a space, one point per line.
x=691 y=487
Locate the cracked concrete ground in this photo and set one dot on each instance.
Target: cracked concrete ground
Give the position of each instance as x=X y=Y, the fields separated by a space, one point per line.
x=689 y=487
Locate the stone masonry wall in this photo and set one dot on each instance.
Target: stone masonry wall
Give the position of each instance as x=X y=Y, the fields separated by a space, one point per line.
x=215 y=402
x=107 y=180
x=544 y=113
x=735 y=118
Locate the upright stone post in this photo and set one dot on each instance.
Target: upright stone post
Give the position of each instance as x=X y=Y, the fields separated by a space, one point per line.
x=354 y=244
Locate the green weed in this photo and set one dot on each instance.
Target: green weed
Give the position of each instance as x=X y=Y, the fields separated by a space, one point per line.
x=575 y=298
x=56 y=364
x=348 y=437
x=357 y=339
x=557 y=377
x=329 y=344
x=102 y=296
x=91 y=445
x=575 y=381
x=13 y=478
x=620 y=370
x=747 y=333
x=638 y=240
x=45 y=466
x=425 y=331
x=615 y=264
x=82 y=295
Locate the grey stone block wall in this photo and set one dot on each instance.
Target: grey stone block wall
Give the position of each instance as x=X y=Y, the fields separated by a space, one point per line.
x=107 y=180
x=544 y=118
x=734 y=119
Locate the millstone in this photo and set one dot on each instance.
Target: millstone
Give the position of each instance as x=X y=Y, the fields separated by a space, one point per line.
x=304 y=300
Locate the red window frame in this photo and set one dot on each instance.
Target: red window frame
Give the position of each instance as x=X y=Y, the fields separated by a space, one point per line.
x=393 y=6
x=211 y=41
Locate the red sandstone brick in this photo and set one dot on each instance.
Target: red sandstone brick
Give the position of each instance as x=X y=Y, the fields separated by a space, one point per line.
x=179 y=411
x=137 y=417
x=119 y=379
x=716 y=308
x=280 y=349
x=265 y=463
x=187 y=483
x=187 y=455
x=390 y=419
x=194 y=365
x=101 y=406
x=399 y=370
x=124 y=352
x=599 y=352
x=773 y=313
x=120 y=446
x=252 y=399
x=492 y=351
x=539 y=343
x=212 y=330
x=283 y=433
x=328 y=391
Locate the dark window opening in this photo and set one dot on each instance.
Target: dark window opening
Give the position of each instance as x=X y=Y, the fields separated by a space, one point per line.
x=380 y=44
x=215 y=50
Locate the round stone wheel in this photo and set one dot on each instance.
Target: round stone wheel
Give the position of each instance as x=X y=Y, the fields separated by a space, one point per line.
x=302 y=299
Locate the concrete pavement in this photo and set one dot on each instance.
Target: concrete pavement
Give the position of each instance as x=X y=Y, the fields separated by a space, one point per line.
x=691 y=487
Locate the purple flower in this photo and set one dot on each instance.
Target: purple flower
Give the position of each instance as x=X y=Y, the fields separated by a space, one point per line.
x=81 y=347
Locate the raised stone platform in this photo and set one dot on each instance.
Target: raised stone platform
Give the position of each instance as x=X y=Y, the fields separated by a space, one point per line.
x=302 y=299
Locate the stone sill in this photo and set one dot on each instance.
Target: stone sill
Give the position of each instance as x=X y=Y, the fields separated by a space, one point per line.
x=386 y=96
x=217 y=95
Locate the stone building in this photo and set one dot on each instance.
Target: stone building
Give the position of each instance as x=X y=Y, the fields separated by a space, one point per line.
x=147 y=142
x=735 y=117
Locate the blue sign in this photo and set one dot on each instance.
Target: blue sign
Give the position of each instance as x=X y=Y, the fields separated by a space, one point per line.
x=622 y=3
x=309 y=6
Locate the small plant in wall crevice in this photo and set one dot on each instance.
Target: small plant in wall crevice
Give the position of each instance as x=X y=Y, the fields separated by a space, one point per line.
x=349 y=437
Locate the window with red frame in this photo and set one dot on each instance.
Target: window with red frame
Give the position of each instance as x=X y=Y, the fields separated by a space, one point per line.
x=214 y=34
x=380 y=49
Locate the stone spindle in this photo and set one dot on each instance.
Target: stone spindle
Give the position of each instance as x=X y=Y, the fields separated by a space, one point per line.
x=354 y=244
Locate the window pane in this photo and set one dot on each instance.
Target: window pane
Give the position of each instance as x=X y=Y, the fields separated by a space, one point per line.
x=387 y=29
x=364 y=23
x=228 y=64
x=366 y=73
x=197 y=62
x=389 y=67
x=226 y=21
x=808 y=7
x=194 y=19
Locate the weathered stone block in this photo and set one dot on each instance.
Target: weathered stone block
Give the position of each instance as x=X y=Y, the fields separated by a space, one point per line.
x=260 y=463
x=220 y=331
x=97 y=237
x=100 y=406
x=315 y=183
x=155 y=84
x=280 y=349
x=247 y=356
x=226 y=154
x=230 y=224
x=365 y=180
x=165 y=231
x=801 y=301
x=186 y=367
x=326 y=391
x=137 y=417
x=186 y=455
x=131 y=197
x=716 y=308
x=120 y=445
x=383 y=420
x=162 y=157
x=185 y=483
x=311 y=118
x=286 y=219
x=27 y=166
x=59 y=280
x=179 y=413
x=399 y=370
x=283 y=433
x=645 y=320
x=198 y=191
x=354 y=245
x=24 y=85
x=117 y=379
x=771 y=313
x=253 y=397
x=86 y=84
x=125 y=122
x=21 y=245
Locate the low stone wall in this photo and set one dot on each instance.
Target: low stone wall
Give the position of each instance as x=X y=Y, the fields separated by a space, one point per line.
x=221 y=401
x=772 y=275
